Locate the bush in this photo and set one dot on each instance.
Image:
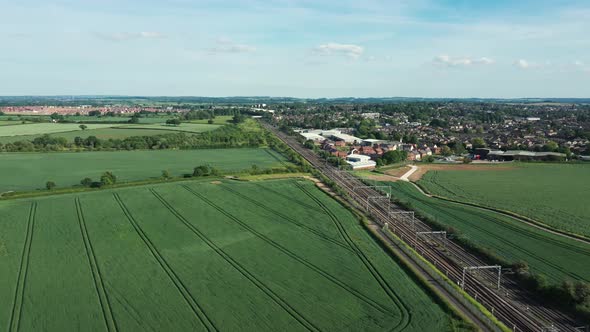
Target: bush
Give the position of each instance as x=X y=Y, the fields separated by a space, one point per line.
x=86 y=182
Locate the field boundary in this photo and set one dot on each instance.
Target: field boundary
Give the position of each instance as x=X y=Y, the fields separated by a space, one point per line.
x=195 y=307
x=23 y=270
x=103 y=297
x=523 y=219
x=289 y=253
x=236 y=265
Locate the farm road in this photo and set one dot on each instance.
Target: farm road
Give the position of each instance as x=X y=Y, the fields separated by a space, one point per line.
x=406 y=177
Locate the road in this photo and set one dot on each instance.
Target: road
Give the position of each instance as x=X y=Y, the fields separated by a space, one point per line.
x=511 y=304
x=406 y=176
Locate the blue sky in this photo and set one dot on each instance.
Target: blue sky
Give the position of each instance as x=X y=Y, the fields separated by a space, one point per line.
x=301 y=48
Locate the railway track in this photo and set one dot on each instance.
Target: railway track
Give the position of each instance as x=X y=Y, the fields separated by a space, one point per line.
x=511 y=304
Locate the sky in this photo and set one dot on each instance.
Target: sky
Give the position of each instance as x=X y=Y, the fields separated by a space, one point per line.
x=296 y=48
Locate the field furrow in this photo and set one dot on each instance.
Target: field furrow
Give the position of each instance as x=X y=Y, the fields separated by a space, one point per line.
x=199 y=312
x=406 y=314
x=16 y=313
x=105 y=304
x=286 y=218
x=276 y=298
x=291 y=254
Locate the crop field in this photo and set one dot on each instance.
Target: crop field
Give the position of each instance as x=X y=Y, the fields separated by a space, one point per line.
x=555 y=194
x=217 y=256
x=556 y=257
x=11 y=133
x=218 y=120
x=45 y=128
x=30 y=171
x=184 y=127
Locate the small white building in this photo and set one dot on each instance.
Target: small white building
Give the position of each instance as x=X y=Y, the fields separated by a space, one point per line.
x=349 y=139
x=359 y=161
x=312 y=136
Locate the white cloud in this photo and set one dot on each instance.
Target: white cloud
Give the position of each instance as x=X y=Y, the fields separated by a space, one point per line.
x=445 y=60
x=225 y=45
x=125 y=36
x=525 y=64
x=349 y=50
x=522 y=63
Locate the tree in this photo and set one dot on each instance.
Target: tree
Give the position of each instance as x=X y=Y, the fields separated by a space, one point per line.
x=520 y=267
x=428 y=159
x=174 y=122
x=201 y=170
x=210 y=121
x=446 y=151
x=392 y=157
x=309 y=144
x=108 y=178
x=134 y=118
x=50 y=185
x=550 y=146
x=86 y=182
x=165 y=174
x=83 y=127
x=255 y=169
x=238 y=118
x=478 y=143
x=94 y=113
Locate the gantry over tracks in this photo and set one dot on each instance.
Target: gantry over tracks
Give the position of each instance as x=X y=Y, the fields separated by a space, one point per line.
x=500 y=295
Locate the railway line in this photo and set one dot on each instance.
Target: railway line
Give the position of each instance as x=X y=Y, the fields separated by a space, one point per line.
x=509 y=303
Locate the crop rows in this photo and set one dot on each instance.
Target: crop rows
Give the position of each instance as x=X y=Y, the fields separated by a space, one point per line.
x=191 y=262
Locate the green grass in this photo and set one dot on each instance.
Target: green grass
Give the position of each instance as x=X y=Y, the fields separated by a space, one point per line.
x=556 y=257
x=184 y=127
x=554 y=194
x=218 y=120
x=106 y=131
x=30 y=171
x=45 y=128
x=219 y=255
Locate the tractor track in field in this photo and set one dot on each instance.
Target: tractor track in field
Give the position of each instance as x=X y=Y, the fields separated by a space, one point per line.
x=103 y=297
x=241 y=269
x=297 y=258
x=404 y=310
x=195 y=307
x=23 y=270
x=292 y=199
x=503 y=240
x=287 y=218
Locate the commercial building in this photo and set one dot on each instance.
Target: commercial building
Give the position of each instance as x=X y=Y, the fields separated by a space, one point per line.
x=359 y=161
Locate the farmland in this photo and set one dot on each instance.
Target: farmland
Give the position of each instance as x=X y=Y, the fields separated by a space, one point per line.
x=554 y=194
x=30 y=171
x=205 y=256
x=19 y=132
x=45 y=128
x=554 y=256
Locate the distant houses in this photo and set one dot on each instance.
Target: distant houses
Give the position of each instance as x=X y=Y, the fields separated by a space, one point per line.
x=362 y=153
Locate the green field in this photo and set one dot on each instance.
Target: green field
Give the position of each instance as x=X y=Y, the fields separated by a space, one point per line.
x=23 y=132
x=218 y=120
x=204 y=256
x=556 y=257
x=184 y=127
x=30 y=171
x=45 y=128
x=555 y=194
